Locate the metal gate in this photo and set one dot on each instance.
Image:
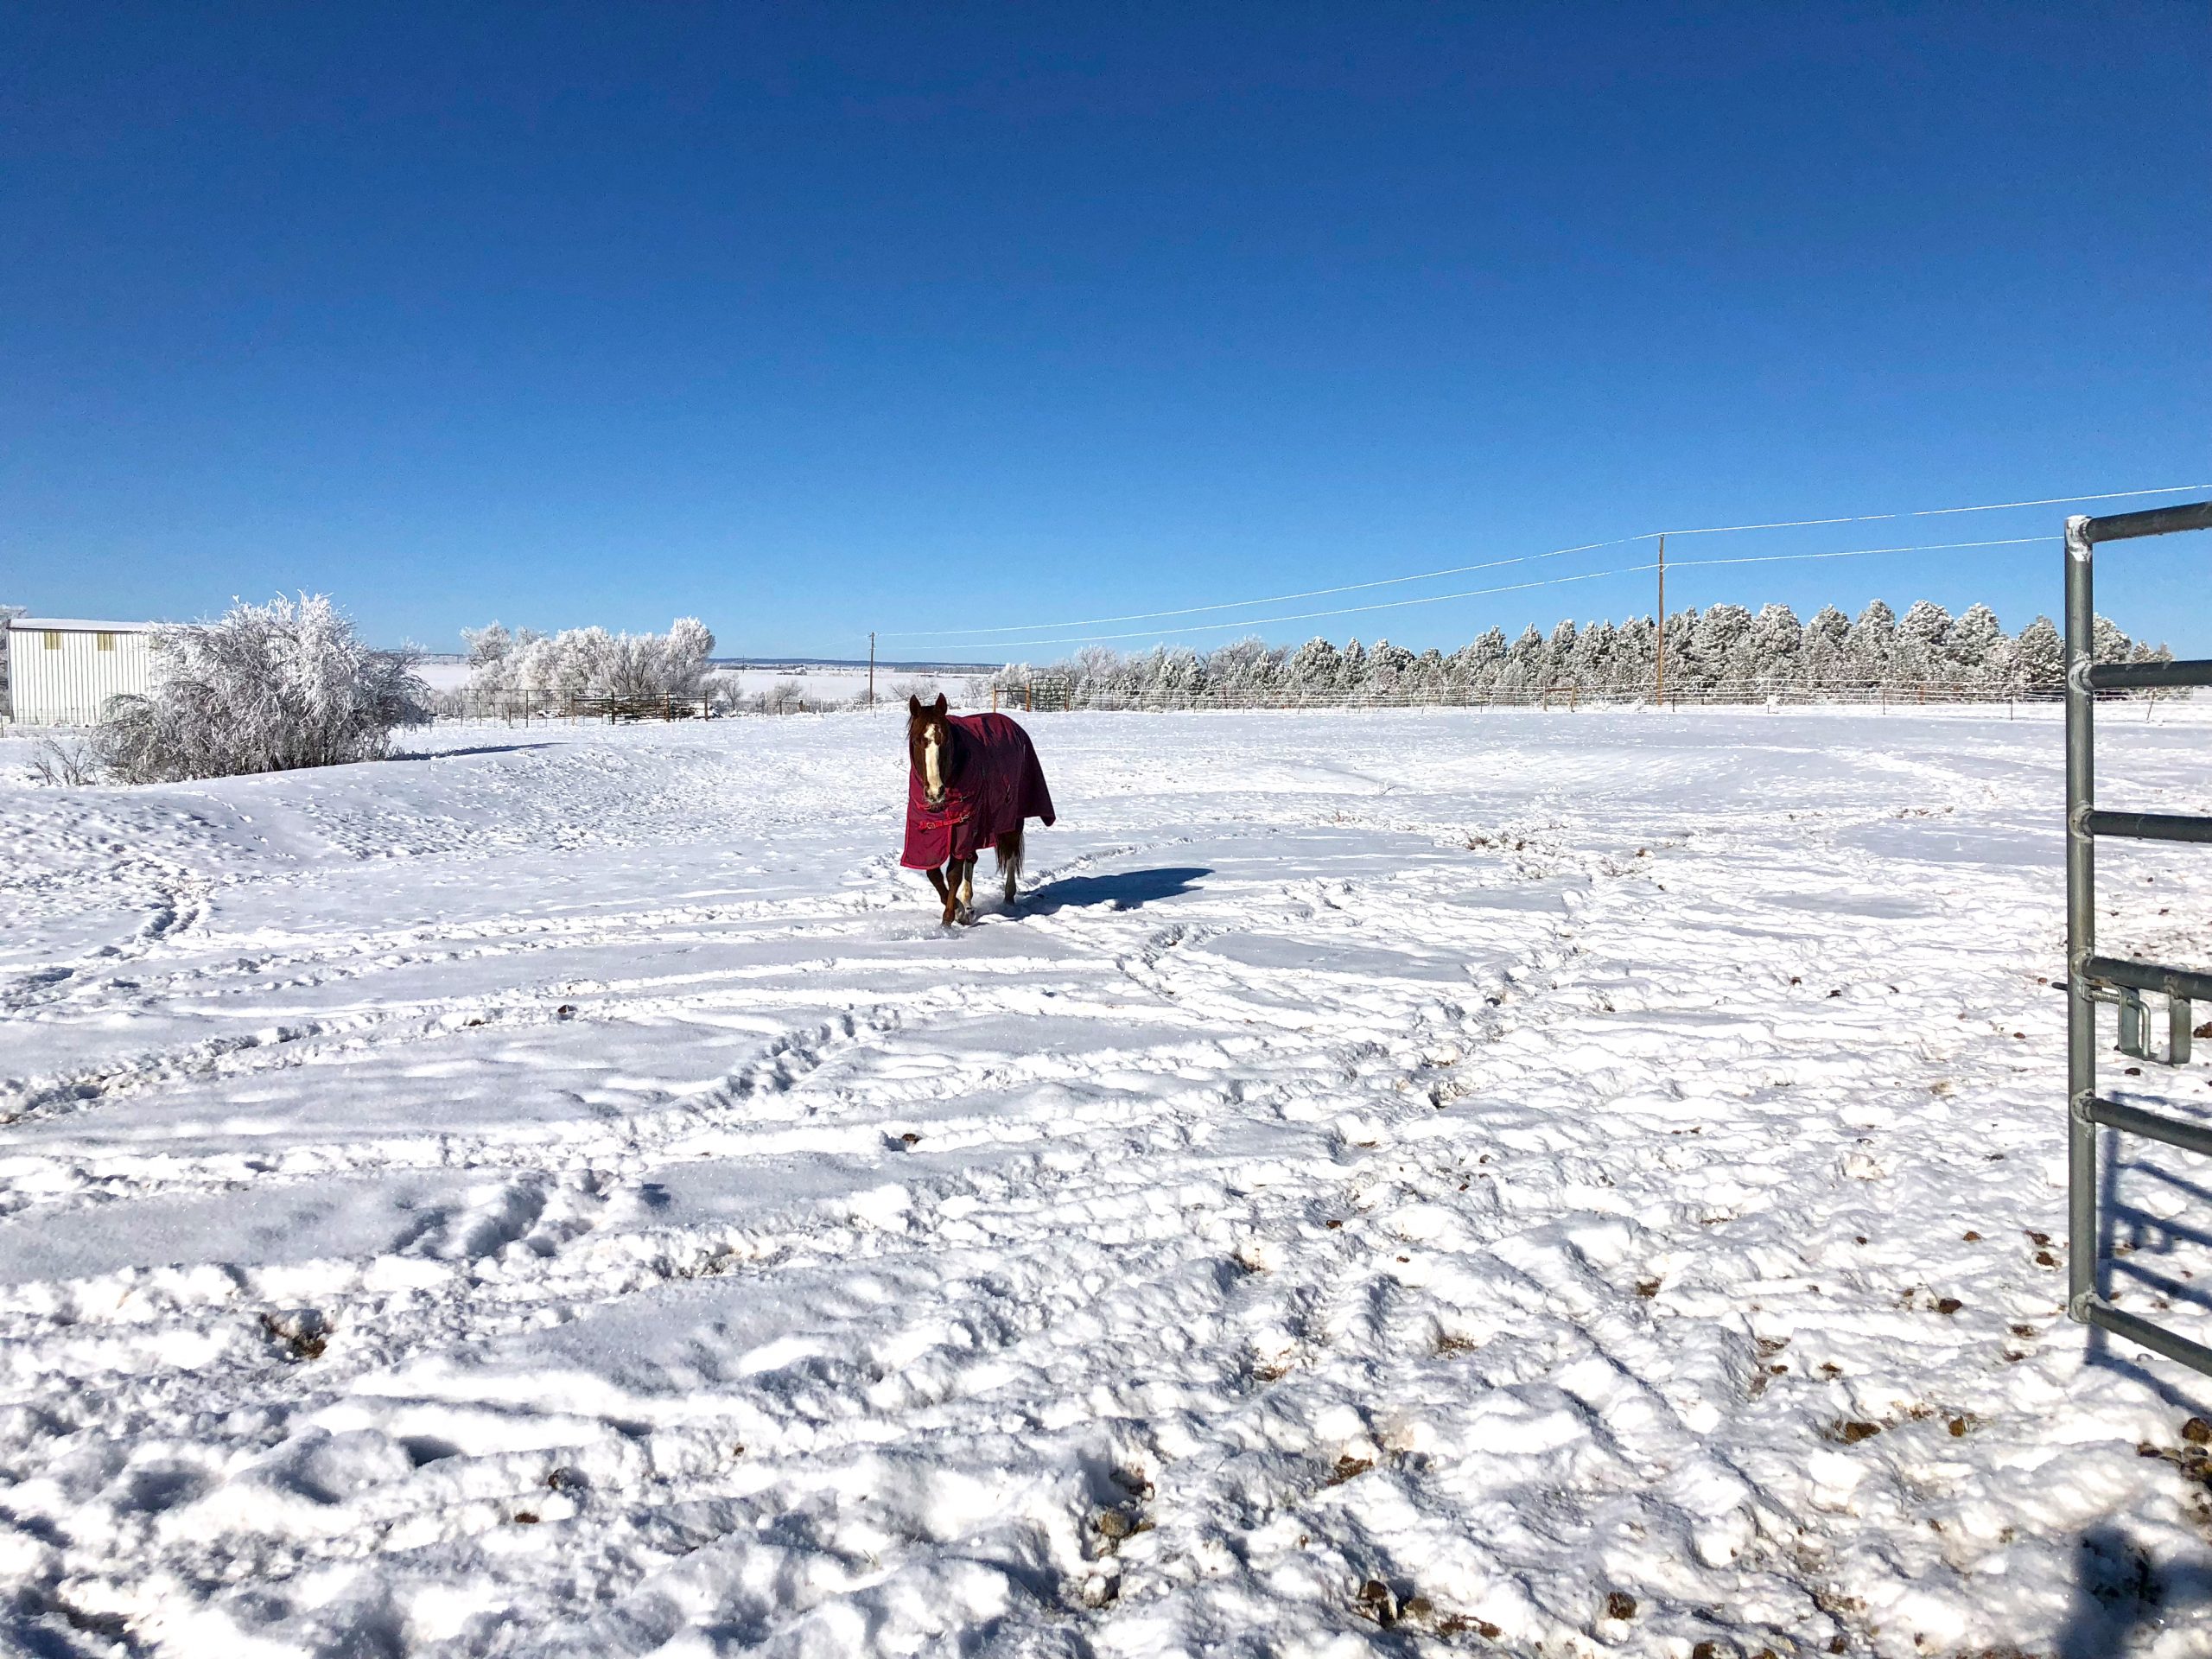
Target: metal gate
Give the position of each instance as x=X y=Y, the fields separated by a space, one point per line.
x=2091 y=979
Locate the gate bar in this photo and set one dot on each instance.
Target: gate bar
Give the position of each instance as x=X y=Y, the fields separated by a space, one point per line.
x=2132 y=676
x=2148 y=977
x=2155 y=1126
x=2149 y=826
x=2098 y=1311
x=2152 y=521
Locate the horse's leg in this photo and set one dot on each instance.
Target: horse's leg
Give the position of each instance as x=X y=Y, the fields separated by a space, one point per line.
x=1010 y=851
x=967 y=890
x=944 y=893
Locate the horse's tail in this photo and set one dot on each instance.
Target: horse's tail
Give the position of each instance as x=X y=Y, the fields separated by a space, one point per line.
x=1009 y=847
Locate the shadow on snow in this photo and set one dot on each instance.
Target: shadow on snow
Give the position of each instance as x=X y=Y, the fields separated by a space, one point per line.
x=1127 y=891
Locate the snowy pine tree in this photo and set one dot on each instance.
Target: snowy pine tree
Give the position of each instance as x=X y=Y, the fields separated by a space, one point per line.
x=1824 y=658
x=1873 y=641
x=2039 y=658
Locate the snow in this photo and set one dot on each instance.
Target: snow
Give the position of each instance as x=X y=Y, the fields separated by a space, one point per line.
x=1399 y=1181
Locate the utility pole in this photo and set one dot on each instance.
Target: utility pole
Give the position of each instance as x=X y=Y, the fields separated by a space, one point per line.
x=871 y=668
x=1659 y=691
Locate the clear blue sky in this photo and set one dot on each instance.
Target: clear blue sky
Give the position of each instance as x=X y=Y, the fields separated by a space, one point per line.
x=811 y=318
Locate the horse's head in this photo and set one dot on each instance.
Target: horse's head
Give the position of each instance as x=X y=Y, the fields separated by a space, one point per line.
x=929 y=745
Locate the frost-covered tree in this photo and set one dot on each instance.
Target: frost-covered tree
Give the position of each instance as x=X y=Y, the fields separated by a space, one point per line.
x=1558 y=654
x=1589 y=665
x=1477 y=666
x=1920 y=653
x=1824 y=658
x=1241 y=668
x=1523 y=674
x=1179 y=674
x=2108 y=642
x=1351 y=667
x=591 y=661
x=1427 y=680
x=1873 y=640
x=1976 y=650
x=1635 y=654
x=2039 y=658
x=490 y=644
x=263 y=688
x=1386 y=668
x=1775 y=643
x=1717 y=654
x=1315 y=669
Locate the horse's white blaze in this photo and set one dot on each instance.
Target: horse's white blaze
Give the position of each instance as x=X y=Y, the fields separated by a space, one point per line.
x=930 y=766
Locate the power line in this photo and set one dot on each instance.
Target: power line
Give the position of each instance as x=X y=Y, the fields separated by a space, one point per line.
x=1938 y=512
x=1861 y=552
x=1521 y=587
x=1278 y=599
x=1494 y=564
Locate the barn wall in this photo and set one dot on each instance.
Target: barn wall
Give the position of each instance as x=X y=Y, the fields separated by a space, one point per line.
x=66 y=682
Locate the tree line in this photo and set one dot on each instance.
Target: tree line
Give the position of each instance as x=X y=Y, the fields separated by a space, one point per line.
x=1724 y=652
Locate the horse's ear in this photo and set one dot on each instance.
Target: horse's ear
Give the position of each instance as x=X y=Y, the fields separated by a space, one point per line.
x=913 y=704
x=940 y=704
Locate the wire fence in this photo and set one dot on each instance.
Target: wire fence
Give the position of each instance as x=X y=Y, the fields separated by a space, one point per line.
x=524 y=708
x=1053 y=694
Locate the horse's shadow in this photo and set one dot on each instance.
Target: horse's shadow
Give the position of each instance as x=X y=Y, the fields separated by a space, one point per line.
x=1127 y=891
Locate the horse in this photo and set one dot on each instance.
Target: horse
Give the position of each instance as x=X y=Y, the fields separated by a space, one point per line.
x=973 y=780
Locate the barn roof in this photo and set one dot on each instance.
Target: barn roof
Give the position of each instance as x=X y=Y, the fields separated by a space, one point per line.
x=75 y=625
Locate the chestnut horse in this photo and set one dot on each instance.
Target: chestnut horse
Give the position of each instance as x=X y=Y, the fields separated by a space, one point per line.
x=973 y=780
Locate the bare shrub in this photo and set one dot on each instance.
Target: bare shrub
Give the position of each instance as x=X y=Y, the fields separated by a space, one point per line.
x=265 y=687
x=70 y=766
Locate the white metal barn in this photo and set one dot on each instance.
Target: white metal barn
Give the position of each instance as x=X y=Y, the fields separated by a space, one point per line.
x=61 y=671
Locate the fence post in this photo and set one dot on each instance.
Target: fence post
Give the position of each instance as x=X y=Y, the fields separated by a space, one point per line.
x=2080 y=929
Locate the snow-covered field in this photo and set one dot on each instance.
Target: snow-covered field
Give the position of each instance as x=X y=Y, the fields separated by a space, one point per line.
x=1418 y=1181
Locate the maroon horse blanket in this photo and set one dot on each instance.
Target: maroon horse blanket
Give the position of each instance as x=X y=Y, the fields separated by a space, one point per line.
x=995 y=783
